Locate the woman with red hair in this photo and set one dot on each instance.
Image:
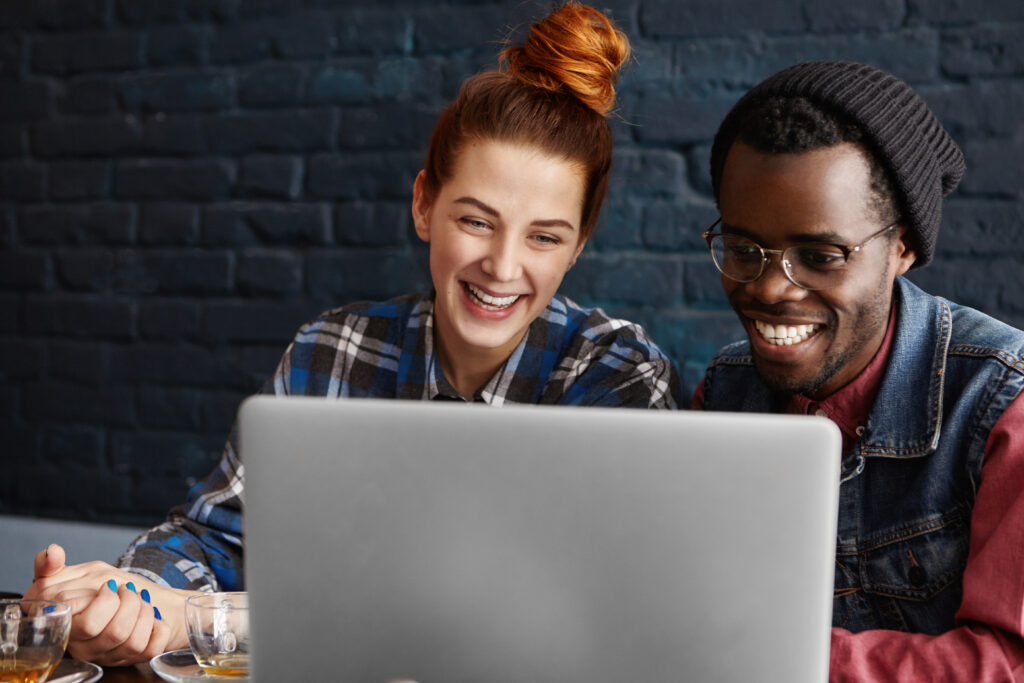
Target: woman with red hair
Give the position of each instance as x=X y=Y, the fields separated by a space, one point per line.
x=509 y=194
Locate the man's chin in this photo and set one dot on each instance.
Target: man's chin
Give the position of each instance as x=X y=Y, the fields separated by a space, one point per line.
x=791 y=382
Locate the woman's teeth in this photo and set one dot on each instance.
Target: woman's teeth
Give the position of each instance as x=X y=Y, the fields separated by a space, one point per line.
x=784 y=335
x=491 y=303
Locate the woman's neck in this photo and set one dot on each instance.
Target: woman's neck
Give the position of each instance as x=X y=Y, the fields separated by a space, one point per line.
x=468 y=369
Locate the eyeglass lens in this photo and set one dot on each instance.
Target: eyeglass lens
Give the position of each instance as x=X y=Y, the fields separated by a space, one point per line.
x=813 y=266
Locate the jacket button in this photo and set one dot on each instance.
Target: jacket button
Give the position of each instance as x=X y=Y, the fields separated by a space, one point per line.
x=917 y=576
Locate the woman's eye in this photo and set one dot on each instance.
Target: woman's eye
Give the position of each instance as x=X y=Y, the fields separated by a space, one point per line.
x=547 y=239
x=474 y=223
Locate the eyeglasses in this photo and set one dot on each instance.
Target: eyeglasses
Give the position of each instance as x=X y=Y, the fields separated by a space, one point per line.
x=818 y=265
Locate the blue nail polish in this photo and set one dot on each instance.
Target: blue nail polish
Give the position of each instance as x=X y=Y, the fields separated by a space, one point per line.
x=156 y=613
x=144 y=595
x=131 y=586
x=49 y=608
x=112 y=585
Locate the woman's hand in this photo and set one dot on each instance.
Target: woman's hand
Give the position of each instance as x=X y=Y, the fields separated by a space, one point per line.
x=117 y=617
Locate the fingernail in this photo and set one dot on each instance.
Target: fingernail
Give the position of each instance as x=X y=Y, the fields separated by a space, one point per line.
x=131 y=586
x=49 y=608
x=144 y=595
x=156 y=613
x=112 y=585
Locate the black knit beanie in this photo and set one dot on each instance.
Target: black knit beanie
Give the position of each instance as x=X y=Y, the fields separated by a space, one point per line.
x=923 y=162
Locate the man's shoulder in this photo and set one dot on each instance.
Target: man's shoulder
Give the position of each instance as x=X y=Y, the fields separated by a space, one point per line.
x=971 y=332
x=973 y=326
x=736 y=353
x=975 y=333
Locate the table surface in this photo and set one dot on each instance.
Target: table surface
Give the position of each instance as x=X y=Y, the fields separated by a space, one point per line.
x=139 y=673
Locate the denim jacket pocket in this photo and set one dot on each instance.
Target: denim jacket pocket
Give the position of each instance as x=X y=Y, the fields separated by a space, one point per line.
x=913 y=575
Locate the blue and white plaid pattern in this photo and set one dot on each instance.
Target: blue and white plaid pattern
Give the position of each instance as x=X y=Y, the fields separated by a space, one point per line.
x=569 y=356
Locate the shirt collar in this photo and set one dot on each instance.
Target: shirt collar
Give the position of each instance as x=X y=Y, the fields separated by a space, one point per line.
x=507 y=385
x=437 y=387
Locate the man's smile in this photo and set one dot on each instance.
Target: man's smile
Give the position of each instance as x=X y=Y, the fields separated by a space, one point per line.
x=786 y=335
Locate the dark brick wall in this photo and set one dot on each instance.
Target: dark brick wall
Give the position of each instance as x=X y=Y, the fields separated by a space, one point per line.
x=184 y=182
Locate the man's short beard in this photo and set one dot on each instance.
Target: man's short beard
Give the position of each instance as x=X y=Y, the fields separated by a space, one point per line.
x=783 y=383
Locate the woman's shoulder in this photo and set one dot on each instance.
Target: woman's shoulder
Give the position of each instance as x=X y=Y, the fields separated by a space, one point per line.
x=398 y=310
x=374 y=325
x=338 y=351
x=594 y=327
x=609 y=361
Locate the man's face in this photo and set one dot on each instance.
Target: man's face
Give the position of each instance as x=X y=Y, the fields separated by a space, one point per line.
x=779 y=200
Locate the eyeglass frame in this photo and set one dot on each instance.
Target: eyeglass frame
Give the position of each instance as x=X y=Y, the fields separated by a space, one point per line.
x=847 y=250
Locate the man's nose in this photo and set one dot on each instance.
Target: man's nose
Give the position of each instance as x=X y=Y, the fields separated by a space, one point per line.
x=774 y=285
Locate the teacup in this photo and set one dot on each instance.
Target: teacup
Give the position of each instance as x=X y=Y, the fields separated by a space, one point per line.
x=33 y=636
x=218 y=632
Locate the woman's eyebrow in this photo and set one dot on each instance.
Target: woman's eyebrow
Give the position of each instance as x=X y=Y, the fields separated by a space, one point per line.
x=540 y=222
x=479 y=204
x=553 y=223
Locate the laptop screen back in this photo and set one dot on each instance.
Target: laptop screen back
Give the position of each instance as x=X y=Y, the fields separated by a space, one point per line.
x=392 y=540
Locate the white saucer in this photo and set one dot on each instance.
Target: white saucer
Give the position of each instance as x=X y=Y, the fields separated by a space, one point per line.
x=82 y=672
x=180 y=666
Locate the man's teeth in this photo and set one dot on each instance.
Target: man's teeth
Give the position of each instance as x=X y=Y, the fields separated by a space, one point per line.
x=784 y=335
x=491 y=303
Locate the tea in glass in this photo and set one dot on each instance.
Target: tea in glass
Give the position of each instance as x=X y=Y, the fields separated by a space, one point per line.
x=218 y=632
x=33 y=636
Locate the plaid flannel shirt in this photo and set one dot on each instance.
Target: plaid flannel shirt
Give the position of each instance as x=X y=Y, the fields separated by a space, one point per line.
x=569 y=356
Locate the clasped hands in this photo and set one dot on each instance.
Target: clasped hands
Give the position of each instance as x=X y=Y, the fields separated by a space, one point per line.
x=118 y=618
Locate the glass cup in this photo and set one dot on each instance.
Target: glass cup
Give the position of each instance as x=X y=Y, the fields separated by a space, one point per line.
x=33 y=635
x=218 y=632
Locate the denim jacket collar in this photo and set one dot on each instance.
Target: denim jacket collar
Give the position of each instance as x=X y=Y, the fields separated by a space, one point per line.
x=907 y=416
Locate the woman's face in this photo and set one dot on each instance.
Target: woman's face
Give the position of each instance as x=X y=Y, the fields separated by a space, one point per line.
x=503 y=231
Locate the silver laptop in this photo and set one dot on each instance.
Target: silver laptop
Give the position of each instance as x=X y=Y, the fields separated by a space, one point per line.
x=450 y=543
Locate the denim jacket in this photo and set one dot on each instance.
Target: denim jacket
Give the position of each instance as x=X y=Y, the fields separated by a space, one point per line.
x=908 y=485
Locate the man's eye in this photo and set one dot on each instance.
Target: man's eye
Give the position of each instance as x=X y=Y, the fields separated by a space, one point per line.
x=743 y=251
x=821 y=258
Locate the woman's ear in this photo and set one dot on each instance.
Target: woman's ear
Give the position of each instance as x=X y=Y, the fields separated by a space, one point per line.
x=421 y=205
x=576 y=255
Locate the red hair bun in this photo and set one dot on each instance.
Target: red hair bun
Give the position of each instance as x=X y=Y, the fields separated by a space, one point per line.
x=575 y=48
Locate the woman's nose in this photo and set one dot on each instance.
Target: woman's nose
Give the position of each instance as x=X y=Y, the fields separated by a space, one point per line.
x=504 y=260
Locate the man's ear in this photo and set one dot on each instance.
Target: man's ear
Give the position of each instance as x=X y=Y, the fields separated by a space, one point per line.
x=422 y=202
x=904 y=254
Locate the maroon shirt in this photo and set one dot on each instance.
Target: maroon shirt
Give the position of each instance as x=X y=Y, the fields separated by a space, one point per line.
x=988 y=644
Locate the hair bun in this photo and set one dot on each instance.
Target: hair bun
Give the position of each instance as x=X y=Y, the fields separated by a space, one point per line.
x=576 y=48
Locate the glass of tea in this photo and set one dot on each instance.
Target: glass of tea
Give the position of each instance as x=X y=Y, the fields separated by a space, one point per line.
x=218 y=632
x=33 y=635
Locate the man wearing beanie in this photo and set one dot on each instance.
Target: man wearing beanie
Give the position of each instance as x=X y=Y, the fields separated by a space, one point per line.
x=829 y=178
